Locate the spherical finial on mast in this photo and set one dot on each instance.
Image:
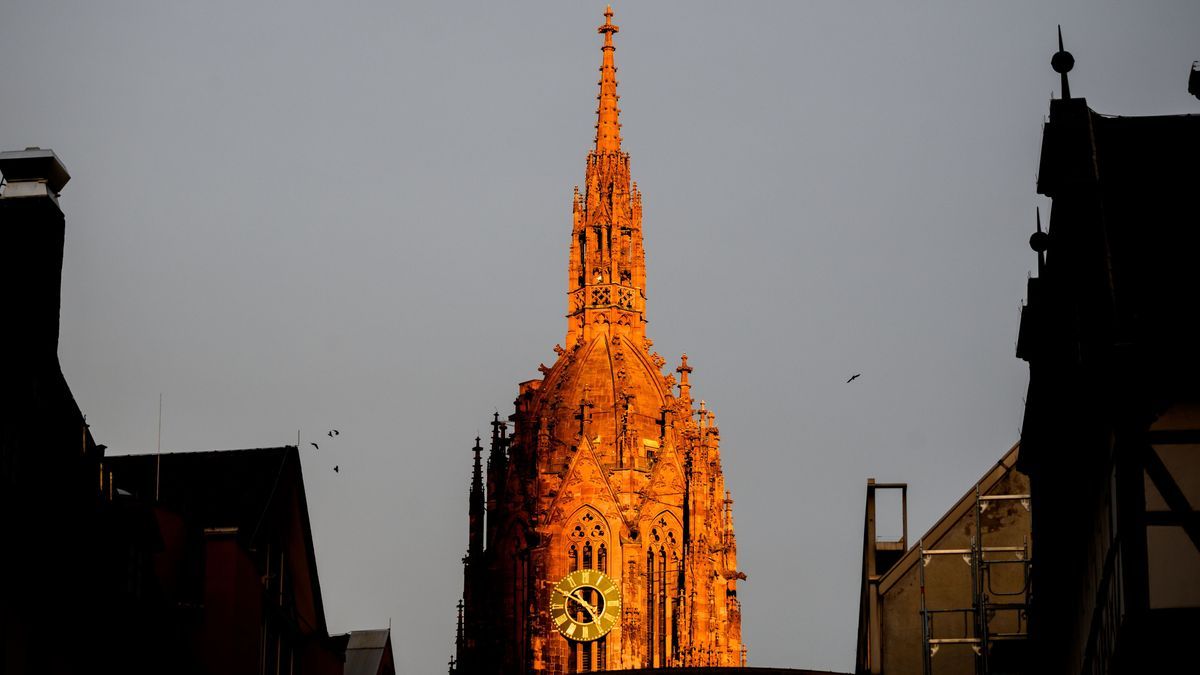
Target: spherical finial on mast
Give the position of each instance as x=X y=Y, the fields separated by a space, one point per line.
x=1062 y=62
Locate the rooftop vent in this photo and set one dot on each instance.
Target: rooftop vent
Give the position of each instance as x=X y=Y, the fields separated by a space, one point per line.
x=32 y=172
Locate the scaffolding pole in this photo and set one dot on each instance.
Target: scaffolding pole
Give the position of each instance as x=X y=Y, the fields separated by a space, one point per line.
x=982 y=609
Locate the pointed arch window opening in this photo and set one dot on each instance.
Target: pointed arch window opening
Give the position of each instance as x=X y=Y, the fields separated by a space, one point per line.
x=588 y=549
x=661 y=610
x=663 y=593
x=650 y=607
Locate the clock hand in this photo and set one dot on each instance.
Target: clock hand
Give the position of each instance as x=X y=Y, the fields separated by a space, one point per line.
x=586 y=605
x=591 y=610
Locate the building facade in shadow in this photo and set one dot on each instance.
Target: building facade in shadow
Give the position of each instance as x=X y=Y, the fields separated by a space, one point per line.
x=189 y=563
x=63 y=562
x=1111 y=432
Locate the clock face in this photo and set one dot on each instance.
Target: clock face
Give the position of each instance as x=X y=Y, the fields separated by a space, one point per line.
x=585 y=605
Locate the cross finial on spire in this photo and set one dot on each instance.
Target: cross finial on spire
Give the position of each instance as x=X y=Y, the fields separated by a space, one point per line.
x=685 y=387
x=608 y=28
x=608 y=128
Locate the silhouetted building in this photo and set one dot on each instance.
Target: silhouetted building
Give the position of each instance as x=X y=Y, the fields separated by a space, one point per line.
x=1112 y=416
x=954 y=601
x=605 y=538
x=236 y=571
x=65 y=559
x=179 y=563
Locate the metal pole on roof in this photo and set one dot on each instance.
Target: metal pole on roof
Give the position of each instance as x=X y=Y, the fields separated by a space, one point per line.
x=158 y=450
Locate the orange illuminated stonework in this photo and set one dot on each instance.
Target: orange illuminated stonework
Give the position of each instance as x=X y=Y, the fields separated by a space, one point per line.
x=610 y=466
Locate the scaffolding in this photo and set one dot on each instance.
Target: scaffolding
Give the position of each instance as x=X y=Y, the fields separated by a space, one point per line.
x=983 y=622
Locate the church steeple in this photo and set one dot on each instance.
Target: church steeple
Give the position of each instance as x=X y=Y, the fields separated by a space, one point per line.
x=607 y=269
x=604 y=468
x=476 y=510
x=608 y=126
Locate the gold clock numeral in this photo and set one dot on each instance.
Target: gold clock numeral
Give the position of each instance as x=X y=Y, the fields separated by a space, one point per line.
x=560 y=619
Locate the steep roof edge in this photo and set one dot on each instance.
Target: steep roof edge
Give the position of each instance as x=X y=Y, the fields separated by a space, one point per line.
x=289 y=455
x=306 y=522
x=374 y=638
x=943 y=525
x=195 y=453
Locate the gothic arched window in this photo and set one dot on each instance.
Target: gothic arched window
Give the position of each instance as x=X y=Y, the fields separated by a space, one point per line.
x=587 y=548
x=650 y=608
x=662 y=589
x=588 y=537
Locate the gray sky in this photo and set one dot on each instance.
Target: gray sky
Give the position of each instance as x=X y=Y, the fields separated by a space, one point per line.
x=312 y=216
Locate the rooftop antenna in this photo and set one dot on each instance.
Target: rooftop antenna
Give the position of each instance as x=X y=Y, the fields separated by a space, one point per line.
x=158 y=450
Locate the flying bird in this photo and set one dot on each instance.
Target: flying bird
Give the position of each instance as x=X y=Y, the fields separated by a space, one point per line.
x=335 y=468
x=853 y=377
x=315 y=446
x=334 y=432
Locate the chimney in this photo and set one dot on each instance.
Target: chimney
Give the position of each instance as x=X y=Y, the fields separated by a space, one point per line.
x=31 y=253
x=32 y=172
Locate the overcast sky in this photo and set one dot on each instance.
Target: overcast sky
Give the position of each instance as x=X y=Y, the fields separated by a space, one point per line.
x=305 y=216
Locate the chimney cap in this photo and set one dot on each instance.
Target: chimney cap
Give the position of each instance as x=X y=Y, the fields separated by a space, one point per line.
x=34 y=164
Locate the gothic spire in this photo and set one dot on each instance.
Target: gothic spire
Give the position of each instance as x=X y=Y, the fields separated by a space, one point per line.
x=606 y=265
x=476 y=511
x=608 y=127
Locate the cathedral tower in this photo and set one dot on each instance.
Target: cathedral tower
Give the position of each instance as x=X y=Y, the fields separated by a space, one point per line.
x=605 y=539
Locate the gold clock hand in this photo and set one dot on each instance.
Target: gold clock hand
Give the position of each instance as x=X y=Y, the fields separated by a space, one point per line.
x=591 y=610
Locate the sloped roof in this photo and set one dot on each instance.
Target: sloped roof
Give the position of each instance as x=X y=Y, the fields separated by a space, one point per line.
x=242 y=489
x=365 y=651
x=944 y=524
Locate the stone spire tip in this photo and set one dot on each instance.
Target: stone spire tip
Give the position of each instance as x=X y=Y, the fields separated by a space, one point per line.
x=608 y=125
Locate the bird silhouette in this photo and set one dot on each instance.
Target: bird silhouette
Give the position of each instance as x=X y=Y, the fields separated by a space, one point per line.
x=334 y=432
x=853 y=377
x=335 y=468
x=315 y=446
